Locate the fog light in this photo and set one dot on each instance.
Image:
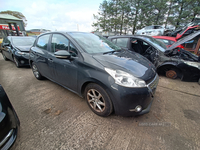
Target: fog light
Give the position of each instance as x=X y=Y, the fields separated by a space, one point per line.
x=22 y=62
x=138 y=108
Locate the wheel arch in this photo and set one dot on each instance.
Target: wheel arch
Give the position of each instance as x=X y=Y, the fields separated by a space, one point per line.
x=30 y=63
x=92 y=80
x=167 y=66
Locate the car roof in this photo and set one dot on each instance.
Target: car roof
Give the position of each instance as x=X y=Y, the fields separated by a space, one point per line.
x=130 y=36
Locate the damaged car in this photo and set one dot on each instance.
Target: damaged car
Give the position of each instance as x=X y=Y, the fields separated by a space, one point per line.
x=173 y=62
x=16 y=49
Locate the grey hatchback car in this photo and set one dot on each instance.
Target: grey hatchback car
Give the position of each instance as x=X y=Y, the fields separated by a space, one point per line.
x=109 y=78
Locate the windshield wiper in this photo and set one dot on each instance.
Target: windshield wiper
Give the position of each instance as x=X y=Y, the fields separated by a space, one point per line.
x=109 y=52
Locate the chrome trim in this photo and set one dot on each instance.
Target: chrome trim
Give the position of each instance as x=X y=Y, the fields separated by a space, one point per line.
x=6 y=138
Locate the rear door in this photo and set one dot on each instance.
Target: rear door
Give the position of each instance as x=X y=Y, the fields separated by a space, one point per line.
x=39 y=53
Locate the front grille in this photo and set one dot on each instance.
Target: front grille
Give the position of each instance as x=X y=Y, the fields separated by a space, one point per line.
x=153 y=84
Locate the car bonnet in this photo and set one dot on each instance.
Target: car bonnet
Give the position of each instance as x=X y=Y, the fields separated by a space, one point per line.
x=128 y=61
x=183 y=40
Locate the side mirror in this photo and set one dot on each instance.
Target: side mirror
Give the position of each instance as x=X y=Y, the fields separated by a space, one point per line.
x=5 y=44
x=62 y=54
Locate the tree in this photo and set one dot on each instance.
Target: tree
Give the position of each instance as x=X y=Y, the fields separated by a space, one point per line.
x=16 y=14
x=119 y=15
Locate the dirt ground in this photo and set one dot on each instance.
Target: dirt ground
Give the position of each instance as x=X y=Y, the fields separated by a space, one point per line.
x=54 y=118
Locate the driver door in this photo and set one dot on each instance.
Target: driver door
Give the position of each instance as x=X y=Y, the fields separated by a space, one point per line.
x=64 y=70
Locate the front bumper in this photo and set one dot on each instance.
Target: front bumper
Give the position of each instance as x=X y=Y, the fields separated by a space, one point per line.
x=23 y=60
x=128 y=99
x=9 y=122
x=9 y=139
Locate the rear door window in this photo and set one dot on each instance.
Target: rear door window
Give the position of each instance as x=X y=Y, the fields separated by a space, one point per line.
x=42 y=41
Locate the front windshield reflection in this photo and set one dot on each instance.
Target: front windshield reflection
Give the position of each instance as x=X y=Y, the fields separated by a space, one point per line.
x=92 y=43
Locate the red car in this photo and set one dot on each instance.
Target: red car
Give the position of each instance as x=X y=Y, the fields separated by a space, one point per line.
x=168 y=41
x=186 y=31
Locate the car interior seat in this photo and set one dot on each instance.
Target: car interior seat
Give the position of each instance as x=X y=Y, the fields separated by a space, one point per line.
x=137 y=47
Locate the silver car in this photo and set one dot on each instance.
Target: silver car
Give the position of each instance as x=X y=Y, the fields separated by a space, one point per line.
x=151 y=30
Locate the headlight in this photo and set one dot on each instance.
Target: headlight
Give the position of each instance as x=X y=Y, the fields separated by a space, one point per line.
x=193 y=64
x=21 y=53
x=125 y=79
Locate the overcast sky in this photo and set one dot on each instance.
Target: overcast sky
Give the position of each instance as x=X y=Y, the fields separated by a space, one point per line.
x=55 y=14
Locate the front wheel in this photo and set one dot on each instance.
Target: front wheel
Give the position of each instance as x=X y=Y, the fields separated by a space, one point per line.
x=4 y=57
x=16 y=62
x=171 y=74
x=36 y=72
x=98 y=100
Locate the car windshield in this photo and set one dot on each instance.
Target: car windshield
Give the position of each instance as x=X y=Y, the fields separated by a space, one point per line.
x=158 y=44
x=92 y=43
x=23 y=41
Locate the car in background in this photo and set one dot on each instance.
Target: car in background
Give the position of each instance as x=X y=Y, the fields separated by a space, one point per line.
x=167 y=40
x=9 y=122
x=184 y=30
x=172 y=62
x=109 y=78
x=151 y=30
x=16 y=48
x=187 y=31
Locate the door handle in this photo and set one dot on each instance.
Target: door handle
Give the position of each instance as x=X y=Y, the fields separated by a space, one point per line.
x=50 y=59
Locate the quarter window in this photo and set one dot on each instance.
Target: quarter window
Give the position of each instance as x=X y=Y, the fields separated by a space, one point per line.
x=59 y=42
x=122 y=42
x=43 y=41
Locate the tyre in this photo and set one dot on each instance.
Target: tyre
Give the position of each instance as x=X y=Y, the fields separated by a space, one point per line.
x=98 y=100
x=36 y=72
x=199 y=81
x=4 y=57
x=172 y=74
x=16 y=62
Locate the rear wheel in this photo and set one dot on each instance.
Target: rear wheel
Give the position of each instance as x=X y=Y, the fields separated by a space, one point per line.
x=98 y=100
x=36 y=72
x=4 y=57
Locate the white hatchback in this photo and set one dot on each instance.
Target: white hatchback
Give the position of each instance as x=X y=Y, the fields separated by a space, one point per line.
x=153 y=30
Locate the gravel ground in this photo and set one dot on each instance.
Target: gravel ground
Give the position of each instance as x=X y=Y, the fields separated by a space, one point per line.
x=54 y=118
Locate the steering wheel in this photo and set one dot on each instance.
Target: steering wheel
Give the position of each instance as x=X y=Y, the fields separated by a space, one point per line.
x=149 y=50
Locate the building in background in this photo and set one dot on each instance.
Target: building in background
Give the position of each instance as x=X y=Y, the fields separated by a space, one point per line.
x=10 y=25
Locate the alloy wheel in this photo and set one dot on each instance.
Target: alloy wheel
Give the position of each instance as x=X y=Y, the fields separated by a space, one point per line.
x=35 y=71
x=96 y=100
x=4 y=57
x=16 y=62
